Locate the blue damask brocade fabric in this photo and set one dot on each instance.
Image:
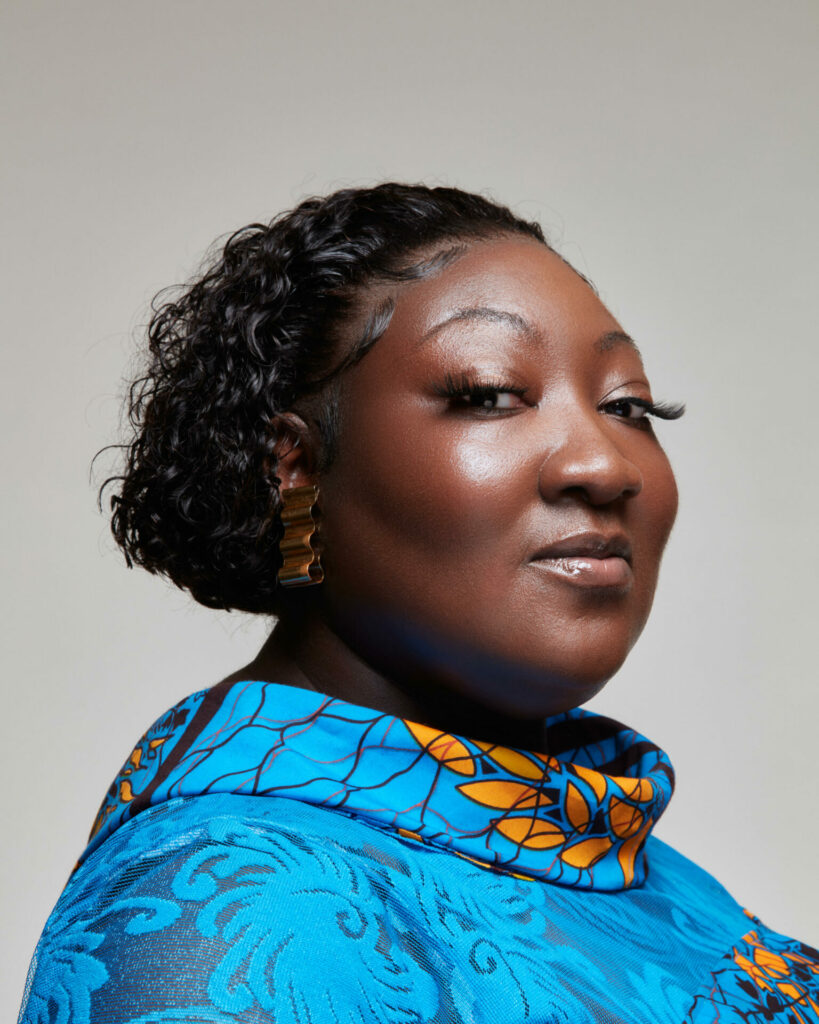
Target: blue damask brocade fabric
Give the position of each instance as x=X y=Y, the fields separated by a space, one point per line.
x=297 y=895
x=251 y=909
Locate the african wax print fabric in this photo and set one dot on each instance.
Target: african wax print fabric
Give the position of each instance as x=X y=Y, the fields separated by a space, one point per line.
x=272 y=854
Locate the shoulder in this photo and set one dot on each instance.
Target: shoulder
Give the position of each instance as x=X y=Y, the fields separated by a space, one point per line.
x=757 y=974
x=151 y=752
x=669 y=865
x=229 y=908
x=696 y=894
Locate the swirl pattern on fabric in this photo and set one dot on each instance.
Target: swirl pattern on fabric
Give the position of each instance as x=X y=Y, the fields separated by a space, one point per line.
x=241 y=909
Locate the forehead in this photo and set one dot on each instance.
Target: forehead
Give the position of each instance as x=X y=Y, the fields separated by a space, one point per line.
x=518 y=279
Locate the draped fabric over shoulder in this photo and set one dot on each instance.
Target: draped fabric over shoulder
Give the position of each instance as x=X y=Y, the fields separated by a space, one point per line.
x=271 y=854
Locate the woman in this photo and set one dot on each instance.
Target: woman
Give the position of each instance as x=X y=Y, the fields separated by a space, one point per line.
x=396 y=419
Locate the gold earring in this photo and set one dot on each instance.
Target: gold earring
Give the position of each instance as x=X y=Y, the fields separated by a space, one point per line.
x=301 y=566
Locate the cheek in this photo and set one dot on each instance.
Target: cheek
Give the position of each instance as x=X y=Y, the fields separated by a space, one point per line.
x=664 y=499
x=654 y=513
x=421 y=487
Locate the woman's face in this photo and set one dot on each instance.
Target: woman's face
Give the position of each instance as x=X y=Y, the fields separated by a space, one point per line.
x=499 y=505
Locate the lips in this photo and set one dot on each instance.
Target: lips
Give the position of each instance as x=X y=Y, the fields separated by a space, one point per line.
x=589 y=545
x=589 y=560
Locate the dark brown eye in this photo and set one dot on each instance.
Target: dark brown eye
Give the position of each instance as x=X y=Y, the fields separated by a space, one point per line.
x=630 y=408
x=638 y=410
x=490 y=399
x=486 y=396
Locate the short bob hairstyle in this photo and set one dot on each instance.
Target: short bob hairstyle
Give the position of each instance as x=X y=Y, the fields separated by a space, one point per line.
x=260 y=327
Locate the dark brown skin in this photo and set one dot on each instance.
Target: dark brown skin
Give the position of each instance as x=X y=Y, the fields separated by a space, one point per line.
x=433 y=607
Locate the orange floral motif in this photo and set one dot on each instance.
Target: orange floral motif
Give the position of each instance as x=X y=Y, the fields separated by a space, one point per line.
x=624 y=817
x=641 y=791
x=596 y=780
x=122 y=790
x=577 y=808
x=627 y=854
x=587 y=852
x=526 y=766
x=134 y=762
x=591 y=820
x=447 y=749
x=774 y=972
x=503 y=793
x=531 y=832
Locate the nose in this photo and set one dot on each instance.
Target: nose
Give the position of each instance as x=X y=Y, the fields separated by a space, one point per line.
x=585 y=457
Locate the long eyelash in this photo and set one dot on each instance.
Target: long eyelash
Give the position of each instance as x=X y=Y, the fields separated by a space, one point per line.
x=458 y=387
x=662 y=410
x=464 y=385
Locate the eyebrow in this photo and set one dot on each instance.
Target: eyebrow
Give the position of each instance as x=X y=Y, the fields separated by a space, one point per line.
x=486 y=314
x=611 y=339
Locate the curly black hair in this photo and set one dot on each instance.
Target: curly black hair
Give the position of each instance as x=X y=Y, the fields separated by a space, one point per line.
x=258 y=329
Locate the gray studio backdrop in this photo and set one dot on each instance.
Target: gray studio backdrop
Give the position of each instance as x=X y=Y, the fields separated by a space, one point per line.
x=669 y=149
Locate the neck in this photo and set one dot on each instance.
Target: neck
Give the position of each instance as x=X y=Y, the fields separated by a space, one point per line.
x=305 y=651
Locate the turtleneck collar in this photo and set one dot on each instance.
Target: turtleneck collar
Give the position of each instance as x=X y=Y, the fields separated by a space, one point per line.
x=578 y=815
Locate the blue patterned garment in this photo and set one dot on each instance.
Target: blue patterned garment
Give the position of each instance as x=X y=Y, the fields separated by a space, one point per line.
x=271 y=854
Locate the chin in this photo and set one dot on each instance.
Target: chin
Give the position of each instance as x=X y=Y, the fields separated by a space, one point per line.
x=517 y=670
x=545 y=688
x=587 y=669
x=573 y=658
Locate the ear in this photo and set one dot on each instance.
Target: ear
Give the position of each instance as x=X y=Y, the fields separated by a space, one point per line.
x=294 y=448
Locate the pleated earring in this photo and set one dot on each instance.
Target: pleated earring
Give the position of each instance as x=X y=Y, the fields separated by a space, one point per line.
x=301 y=566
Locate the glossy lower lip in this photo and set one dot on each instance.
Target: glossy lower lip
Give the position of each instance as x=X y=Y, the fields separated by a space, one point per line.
x=585 y=571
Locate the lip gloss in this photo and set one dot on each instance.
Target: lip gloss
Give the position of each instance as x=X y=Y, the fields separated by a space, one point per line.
x=586 y=571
